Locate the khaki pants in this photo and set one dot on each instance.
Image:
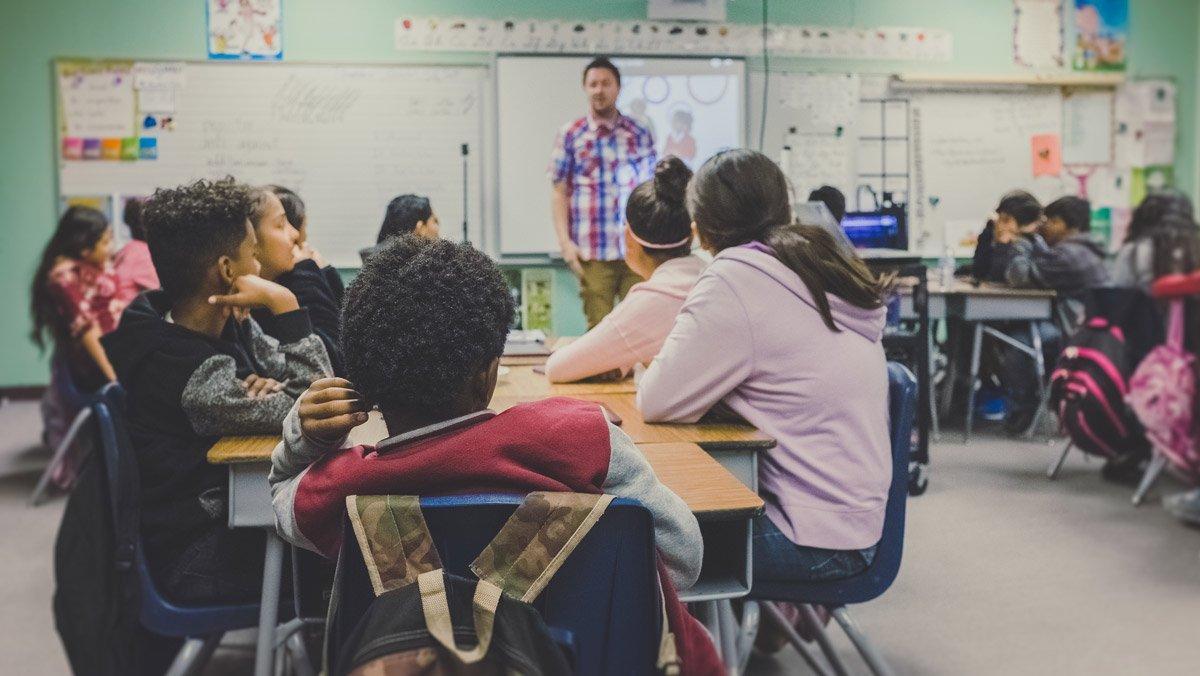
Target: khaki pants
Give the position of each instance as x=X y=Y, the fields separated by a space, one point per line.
x=604 y=282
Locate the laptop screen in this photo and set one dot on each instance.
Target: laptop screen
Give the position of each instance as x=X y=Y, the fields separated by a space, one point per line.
x=875 y=229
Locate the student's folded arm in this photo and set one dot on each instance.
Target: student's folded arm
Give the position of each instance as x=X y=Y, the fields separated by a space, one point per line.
x=216 y=403
x=600 y=350
x=708 y=353
x=291 y=457
x=1022 y=269
x=296 y=356
x=676 y=532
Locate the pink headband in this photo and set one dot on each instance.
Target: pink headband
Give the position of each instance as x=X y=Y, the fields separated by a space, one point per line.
x=650 y=245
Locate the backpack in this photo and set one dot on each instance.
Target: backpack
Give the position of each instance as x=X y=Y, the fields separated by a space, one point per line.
x=1088 y=388
x=424 y=620
x=1162 y=392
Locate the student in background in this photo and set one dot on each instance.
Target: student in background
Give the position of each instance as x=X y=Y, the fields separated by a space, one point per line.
x=285 y=262
x=424 y=326
x=785 y=329
x=194 y=372
x=658 y=247
x=405 y=214
x=1018 y=213
x=132 y=265
x=297 y=216
x=832 y=198
x=74 y=296
x=1060 y=256
x=1136 y=263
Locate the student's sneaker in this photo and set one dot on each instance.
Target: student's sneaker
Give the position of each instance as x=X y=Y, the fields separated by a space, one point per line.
x=1184 y=506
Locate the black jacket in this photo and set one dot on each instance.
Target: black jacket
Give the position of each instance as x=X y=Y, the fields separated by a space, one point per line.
x=184 y=392
x=316 y=292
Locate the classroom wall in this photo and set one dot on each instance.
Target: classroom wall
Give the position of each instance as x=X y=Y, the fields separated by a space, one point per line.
x=1164 y=38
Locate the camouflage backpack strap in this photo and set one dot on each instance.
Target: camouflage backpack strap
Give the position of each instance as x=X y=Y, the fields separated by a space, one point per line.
x=536 y=540
x=395 y=542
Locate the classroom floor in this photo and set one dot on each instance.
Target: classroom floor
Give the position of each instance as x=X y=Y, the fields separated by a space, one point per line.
x=1004 y=572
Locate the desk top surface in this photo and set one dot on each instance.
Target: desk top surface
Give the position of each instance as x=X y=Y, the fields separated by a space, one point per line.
x=966 y=287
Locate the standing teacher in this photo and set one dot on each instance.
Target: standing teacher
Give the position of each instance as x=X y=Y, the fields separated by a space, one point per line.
x=598 y=160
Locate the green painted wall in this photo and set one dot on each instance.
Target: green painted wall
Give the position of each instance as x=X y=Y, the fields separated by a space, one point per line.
x=1163 y=44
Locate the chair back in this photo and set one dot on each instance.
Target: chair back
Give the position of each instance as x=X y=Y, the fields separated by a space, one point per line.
x=872 y=582
x=605 y=598
x=157 y=614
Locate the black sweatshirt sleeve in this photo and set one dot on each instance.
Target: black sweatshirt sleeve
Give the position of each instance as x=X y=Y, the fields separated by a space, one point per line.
x=311 y=286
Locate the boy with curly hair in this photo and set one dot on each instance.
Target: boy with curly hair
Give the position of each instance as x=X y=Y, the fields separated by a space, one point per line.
x=423 y=328
x=196 y=368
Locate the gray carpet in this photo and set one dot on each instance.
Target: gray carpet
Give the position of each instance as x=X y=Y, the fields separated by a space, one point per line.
x=1004 y=572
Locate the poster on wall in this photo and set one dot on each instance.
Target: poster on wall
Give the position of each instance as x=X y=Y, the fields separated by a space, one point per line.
x=1101 y=35
x=245 y=29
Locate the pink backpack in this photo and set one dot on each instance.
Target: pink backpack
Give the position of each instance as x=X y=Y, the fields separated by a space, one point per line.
x=1161 y=393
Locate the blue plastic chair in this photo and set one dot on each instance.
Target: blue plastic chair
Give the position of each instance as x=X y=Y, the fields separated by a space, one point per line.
x=605 y=598
x=202 y=627
x=871 y=583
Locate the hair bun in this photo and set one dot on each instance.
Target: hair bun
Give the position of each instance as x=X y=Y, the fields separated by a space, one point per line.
x=671 y=176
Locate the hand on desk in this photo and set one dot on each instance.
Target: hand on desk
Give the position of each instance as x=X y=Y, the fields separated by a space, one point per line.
x=330 y=408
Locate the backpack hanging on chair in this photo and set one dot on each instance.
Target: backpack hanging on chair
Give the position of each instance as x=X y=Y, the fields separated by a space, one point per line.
x=424 y=620
x=1162 y=392
x=1088 y=388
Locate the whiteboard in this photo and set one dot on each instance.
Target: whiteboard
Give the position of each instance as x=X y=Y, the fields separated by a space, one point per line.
x=968 y=149
x=537 y=95
x=346 y=138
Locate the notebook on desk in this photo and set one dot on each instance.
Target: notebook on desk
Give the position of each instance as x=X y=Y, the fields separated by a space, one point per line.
x=525 y=344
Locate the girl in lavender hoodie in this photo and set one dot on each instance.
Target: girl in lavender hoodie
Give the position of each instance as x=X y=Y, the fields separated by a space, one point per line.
x=784 y=328
x=658 y=247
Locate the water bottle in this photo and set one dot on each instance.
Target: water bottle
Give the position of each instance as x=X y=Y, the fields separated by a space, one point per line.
x=946 y=268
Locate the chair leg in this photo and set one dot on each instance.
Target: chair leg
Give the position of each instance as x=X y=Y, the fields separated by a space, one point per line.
x=747 y=632
x=1158 y=462
x=194 y=655
x=60 y=452
x=1056 y=467
x=874 y=660
x=772 y=613
x=818 y=630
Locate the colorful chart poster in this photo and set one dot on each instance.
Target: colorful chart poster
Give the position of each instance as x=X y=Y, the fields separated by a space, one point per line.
x=245 y=29
x=1101 y=34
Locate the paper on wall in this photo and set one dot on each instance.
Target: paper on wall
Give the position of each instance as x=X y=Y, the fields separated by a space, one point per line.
x=1038 y=33
x=97 y=102
x=1087 y=128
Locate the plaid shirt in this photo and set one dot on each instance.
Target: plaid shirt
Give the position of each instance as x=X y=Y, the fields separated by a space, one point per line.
x=601 y=165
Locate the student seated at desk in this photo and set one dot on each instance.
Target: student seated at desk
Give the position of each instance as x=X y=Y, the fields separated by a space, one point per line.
x=658 y=248
x=1157 y=228
x=1060 y=256
x=297 y=215
x=1018 y=211
x=297 y=268
x=785 y=328
x=194 y=371
x=423 y=328
x=832 y=198
x=406 y=214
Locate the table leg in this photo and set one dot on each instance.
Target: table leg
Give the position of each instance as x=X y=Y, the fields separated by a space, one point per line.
x=268 y=612
x=729 y=636
x=1039 y=366
x=973 y=383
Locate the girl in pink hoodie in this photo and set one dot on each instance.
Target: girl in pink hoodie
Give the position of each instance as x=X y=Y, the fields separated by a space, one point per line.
x=658 y=247
x=784 y=328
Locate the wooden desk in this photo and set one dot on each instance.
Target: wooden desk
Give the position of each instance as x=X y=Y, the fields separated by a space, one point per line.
x=523 y=381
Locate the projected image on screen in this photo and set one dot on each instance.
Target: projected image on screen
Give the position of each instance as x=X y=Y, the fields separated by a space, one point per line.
x=694 y=109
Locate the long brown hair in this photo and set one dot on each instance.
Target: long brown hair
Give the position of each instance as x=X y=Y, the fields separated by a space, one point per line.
x=740 y=196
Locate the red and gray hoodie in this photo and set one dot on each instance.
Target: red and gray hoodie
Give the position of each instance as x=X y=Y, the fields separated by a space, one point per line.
x=551 y=445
